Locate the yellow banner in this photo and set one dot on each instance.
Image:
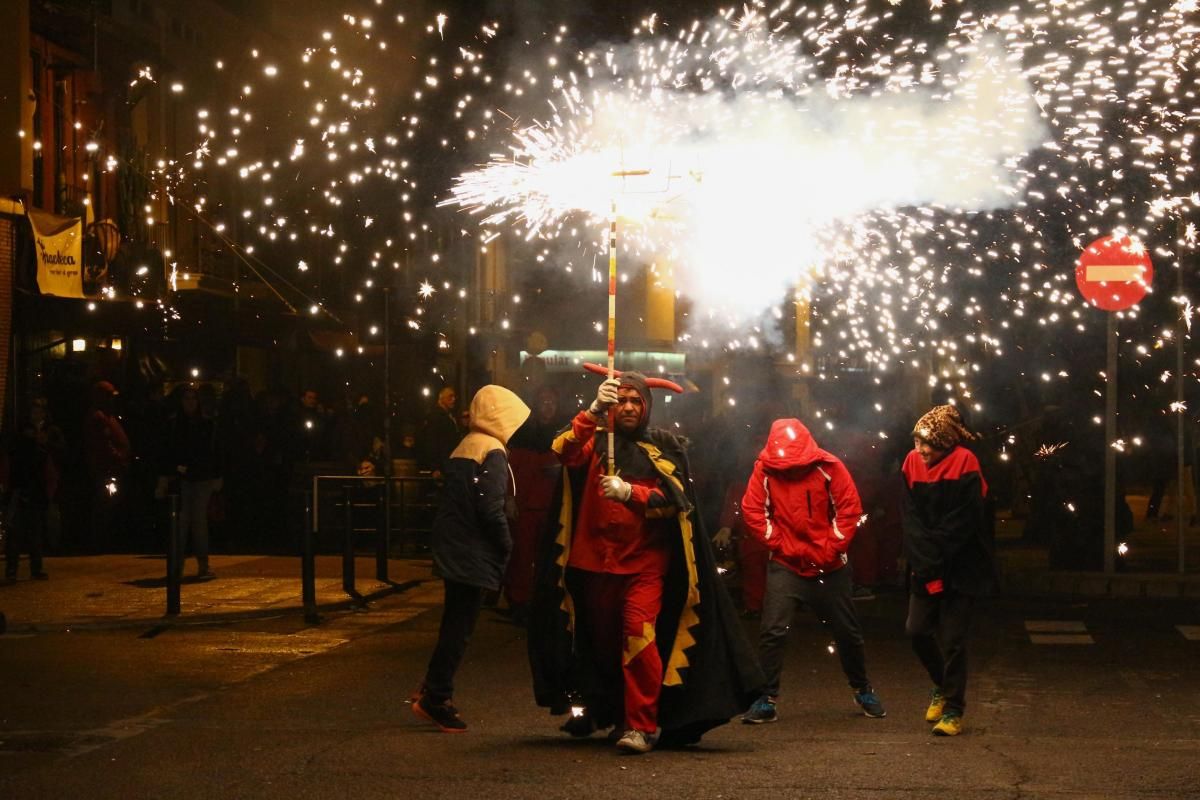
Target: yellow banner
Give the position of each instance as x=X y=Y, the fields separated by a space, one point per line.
x=59 y=248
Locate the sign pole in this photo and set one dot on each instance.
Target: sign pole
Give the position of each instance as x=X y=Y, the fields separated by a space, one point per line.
x=1110 y=453
x=1180 y=332
x=1113 y=273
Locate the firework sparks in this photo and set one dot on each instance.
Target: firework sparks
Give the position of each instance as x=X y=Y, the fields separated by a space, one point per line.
x=923 y=193
x=1047 y=450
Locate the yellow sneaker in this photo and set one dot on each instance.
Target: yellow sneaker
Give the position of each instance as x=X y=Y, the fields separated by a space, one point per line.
x=949 y=725
x=936 y=704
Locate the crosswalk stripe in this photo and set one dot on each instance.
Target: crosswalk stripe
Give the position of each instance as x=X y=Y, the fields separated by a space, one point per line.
x=1061 y=638
x=1190 y=632
x=1054 y=626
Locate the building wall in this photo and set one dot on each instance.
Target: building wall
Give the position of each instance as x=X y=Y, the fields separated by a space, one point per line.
x=8 y=258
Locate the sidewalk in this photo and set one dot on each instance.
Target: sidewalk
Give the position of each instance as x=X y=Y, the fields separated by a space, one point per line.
x=129 y=591
x=1148 y=569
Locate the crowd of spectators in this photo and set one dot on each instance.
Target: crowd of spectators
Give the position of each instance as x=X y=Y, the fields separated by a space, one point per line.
x=91 y=474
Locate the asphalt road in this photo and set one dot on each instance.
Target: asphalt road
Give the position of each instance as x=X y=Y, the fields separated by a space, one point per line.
x=1098 y=699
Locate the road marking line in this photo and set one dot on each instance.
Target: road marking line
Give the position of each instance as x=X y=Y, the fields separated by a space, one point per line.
x=1190 y=632
x=1054 y=626
x=1061 y=638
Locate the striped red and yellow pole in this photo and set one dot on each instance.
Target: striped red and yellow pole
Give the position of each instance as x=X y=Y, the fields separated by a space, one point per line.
x=612 y=330
x=612 y=312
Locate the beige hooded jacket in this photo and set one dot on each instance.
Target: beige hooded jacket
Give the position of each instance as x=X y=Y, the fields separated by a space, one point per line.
x=496 y=413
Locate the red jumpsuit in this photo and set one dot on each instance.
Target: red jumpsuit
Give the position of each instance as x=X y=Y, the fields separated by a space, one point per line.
x=621 y=551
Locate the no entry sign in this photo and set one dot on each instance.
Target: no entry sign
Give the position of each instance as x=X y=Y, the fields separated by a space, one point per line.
x=1114 y=273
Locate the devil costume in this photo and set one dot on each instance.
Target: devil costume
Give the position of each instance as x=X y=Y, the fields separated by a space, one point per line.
x=630 y=623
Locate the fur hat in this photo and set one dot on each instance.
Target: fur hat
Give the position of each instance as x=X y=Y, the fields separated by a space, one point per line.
x=942 y=427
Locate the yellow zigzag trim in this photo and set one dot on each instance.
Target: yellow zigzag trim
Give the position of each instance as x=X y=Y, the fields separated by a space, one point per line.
x=564 y=532
x=636 y=644
x=564 y=542
x=688 y=618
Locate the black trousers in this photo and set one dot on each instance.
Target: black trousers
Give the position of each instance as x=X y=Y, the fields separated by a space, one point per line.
x=938 y=626
x=26 y=532
x=830 y=597
x=459 y=614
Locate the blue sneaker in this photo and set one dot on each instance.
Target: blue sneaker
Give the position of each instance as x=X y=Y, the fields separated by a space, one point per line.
x=762 y=711
x=868 y=701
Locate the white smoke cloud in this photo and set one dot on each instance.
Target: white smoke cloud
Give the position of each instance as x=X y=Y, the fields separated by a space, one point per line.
x=742 y=192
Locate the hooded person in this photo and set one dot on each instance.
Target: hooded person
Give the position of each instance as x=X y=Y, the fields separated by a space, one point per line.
x=630 y=626
x=801 y=503
x=471 y=542
x=108 y=454
x=536 y=469
x=948 y=546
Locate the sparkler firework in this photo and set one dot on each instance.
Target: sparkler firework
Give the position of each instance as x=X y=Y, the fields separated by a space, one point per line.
x=922 y=176
x=801 y=145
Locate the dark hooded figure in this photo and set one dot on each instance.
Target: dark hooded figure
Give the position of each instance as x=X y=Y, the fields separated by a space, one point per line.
x=630 y=626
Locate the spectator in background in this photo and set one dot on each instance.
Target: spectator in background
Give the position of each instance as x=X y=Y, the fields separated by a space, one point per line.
x=237 y=427
x=108 y=454
x=440 y=433
x=876 y=545
x=536 y=471
x=268 y=469
x=312 y=428
x=752 y=555
x=193 y=458
x=359 y=438
x=1160 y=462
x=33 y=481
x=407 y=449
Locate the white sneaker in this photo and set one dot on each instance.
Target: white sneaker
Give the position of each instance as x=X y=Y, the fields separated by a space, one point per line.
x=635 y=742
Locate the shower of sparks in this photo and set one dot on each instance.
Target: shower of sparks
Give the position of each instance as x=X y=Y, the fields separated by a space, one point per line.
x=921 y=176
x=1047 y=450
x=881 y=177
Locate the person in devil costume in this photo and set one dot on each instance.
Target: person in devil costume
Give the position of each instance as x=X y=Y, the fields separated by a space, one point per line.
x=630 y=626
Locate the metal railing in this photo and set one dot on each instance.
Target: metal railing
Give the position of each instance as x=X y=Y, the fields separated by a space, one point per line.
x=414 y=493
x=395 y=498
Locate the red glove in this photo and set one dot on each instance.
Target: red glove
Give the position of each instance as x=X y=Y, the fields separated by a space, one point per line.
x=934 y=586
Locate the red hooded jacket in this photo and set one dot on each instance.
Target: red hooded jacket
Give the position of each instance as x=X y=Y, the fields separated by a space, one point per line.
x=801 y=502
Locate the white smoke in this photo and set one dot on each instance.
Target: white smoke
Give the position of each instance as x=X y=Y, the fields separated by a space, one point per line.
x=743 y=193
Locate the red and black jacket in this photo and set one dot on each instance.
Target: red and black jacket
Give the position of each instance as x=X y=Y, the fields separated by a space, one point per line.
x=947 y=534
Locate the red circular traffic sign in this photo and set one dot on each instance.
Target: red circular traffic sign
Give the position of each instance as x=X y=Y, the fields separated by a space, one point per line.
x=1114 y=273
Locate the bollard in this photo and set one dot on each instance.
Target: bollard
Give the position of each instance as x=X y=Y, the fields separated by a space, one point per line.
x=348 y=545
x=308 y=563
x=174 y=560
x=384 y=532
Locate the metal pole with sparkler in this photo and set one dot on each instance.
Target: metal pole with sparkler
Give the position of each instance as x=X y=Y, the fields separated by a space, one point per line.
x=612 y=310
x=612 y=328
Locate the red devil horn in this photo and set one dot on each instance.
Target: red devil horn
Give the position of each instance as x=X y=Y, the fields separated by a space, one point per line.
x=653 y=383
